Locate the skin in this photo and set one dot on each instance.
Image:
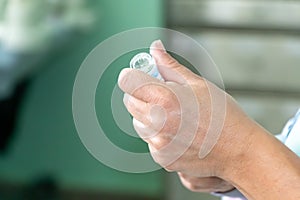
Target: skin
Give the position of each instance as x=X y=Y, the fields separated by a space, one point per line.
x=246 y=156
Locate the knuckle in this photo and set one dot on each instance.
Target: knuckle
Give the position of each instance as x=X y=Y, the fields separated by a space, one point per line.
x=130 y=106
x=191 y=186
x=156 y=158
x=170 y=168
x=160 y=158
x=159 y=142
x=163 y=94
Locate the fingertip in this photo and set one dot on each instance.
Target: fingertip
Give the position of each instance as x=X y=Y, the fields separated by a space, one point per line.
x=157 y=47
x=122 y=76
x=169 y=68
x=123 y=73
x=161 y=56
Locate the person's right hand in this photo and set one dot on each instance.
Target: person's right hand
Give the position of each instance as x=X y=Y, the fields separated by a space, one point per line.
x=191 y=126
x=174 y=117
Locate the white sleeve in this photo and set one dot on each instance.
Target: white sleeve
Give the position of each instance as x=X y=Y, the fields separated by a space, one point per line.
x=292 y=139
x=231 y=195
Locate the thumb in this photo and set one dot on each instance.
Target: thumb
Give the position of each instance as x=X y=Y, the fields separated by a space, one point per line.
x=169 y=68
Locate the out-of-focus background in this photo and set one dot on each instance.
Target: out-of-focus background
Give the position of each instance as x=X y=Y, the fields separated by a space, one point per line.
x=255 y=44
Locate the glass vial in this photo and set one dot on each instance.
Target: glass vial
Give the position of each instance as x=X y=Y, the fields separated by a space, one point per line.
x=146 y=63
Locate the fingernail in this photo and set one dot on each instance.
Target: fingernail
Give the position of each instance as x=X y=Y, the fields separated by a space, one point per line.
x=157 y=44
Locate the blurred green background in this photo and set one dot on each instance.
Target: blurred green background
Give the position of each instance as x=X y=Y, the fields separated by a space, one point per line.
x=256 y=46
x=45 y=141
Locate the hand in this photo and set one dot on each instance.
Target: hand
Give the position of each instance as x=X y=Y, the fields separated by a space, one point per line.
x=174 y=117
x=187 y=131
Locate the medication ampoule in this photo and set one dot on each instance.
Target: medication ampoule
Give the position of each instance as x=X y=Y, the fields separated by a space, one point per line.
x=146 y=63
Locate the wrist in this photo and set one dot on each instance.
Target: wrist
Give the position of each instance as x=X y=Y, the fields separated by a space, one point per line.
x=266 y=170
x=236 y=146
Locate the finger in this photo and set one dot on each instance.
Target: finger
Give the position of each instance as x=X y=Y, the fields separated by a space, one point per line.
x=169 y=68
x=166 y=159
x=146 y=133
x=141 y=85
x=205 y=181
x=140 y=110
x=150 y=115
x=204 y=184
x=155 y=118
